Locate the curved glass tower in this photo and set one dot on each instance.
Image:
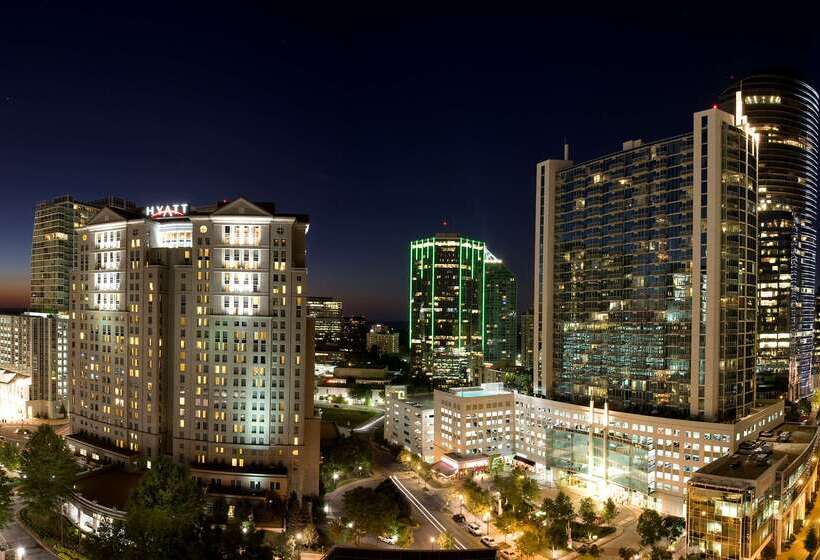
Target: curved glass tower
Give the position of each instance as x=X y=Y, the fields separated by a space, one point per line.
x=784 y=111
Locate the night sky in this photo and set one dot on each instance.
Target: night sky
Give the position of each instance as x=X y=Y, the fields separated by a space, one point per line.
x=376 y=128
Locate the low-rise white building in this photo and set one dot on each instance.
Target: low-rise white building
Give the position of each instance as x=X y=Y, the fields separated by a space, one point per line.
x=15 y=391
x=410 y=421
x=475 y=420
x=640 y=459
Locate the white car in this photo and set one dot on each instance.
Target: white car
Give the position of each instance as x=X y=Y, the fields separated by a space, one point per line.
x=509 y=554
x=474 y=529
x=489 y=541
x=393 y=539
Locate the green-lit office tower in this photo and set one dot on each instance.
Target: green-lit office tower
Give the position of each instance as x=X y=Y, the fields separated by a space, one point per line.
x=501 y=317
x=446 y=304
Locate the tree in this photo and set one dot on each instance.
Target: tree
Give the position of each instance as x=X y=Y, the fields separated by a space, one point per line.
x=673 y=526
x=361 y=392
x=309 y=536
x=369 y=511
x=6 y=500
x=445 y=541
x=659 y=553
x=9 y=456
x=108 y=542
x=496 y=464
x=338 y=531
x=586 y=510
x=555 y=536
x=528 y=543
x=164 y=511
x=507 y=523
x=650 y=527
x=48 y=472
x=406 y=537
x=609 y=511
x=810 y=542
x=627 y=553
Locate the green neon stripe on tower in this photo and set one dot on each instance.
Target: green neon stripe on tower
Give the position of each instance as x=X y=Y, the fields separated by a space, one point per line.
x=433 y=297
x=410 y=305
x=483 y=292
x=460 y=289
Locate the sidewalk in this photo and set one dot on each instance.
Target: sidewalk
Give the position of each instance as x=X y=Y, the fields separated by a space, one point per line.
x=798 y=550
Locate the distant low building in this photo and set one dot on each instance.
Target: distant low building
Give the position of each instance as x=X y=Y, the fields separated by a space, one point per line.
x=384 y=339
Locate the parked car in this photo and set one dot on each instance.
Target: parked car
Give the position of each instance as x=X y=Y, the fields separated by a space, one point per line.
x=474 y=529
x=509 y=554
x=766 y=433
x=458 y=518
x=393 y=539
x=489 y=541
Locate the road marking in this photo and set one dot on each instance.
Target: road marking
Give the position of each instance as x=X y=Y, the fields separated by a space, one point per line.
x=423 y=509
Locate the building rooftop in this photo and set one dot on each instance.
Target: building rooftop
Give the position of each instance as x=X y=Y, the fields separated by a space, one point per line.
x=749 y=463
x=741 y=467
x=485 y=390
x=110 y=487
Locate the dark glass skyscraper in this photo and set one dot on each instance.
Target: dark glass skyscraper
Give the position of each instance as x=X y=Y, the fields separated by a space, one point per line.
x=501 y=316
x=646 y=260
x=784 y=111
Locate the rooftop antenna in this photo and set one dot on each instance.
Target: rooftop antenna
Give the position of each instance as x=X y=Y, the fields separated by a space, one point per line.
x=566 y=149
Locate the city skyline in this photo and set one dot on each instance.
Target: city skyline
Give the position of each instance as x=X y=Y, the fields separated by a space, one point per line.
x=204 y=123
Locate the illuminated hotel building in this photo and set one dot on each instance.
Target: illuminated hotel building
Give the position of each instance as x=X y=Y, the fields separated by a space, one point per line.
x=785 y=112
x=190 y=337
x=500 y=313
x=446 y=327
x=645 y=275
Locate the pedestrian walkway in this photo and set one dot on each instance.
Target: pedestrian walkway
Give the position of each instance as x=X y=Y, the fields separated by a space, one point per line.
x=798 y=550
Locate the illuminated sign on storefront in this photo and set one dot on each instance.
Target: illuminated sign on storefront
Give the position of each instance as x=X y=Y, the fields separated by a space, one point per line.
x=166 y=211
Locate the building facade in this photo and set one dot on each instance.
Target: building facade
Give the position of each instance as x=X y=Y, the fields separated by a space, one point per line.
x=190 y=336
x=475 y=421
x=52 y=248
x=409 y=421
x=354 y=334
x=635 y=458
x=327 y=316
x=757 y=498
x=446 y=304
x=645 y=284
x=785 y=111
x=500 y=313
x=525 y=338
x=384 y=339
x=37 y=344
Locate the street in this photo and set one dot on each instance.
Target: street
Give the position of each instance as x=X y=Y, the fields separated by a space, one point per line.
x=15 y=536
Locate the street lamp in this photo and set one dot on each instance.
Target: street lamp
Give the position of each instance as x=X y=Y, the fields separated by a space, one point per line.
x=335 y=476
x=461 y=504
x=487 y=523
x=432 y=542
x=21 y=552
